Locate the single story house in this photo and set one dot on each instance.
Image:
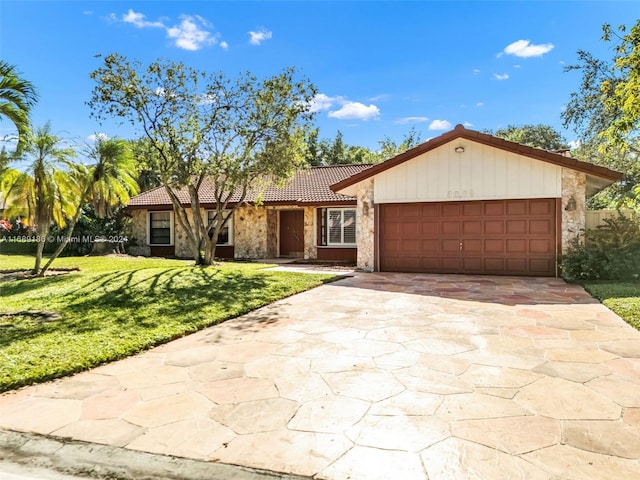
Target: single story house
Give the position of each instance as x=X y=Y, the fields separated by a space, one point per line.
x=463 y=202
x=303 y=219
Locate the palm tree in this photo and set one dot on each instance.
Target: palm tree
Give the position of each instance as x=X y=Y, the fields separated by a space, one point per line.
x=45 y=192
x=109 y=182
x=17 y=97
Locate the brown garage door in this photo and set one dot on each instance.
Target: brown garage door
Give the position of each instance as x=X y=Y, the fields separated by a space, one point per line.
x=496 y=237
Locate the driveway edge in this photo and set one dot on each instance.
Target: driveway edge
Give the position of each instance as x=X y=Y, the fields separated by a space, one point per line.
x=106 y=462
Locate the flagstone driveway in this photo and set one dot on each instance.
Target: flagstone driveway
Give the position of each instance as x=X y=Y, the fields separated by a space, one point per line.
x=377 y=376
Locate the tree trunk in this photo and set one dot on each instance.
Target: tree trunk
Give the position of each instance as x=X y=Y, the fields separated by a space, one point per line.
x=182 y=219
x=210 y=250
x=70 y=226
x=64 y=242
x=192 y=239
x=39 y=250
x=199 y=228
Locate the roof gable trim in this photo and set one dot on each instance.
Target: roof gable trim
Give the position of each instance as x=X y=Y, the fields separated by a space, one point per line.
x=461 y=132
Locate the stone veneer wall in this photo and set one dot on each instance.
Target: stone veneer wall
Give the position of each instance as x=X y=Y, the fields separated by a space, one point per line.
x=310 y=247
x=574 y=186
x=180 y=239
x=255 y=233
x=138 y=233
x=365 y=225
x=251 y=232
x=272 y=236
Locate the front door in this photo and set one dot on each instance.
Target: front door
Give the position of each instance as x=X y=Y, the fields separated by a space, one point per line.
x=292 y=233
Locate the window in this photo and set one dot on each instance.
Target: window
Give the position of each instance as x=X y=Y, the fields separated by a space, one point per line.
x=160 y=228
x=225 y=237
x=340 y=226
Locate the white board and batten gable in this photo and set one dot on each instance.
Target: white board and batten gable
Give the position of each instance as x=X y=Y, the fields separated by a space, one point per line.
x=465 y=165
x=480 y=172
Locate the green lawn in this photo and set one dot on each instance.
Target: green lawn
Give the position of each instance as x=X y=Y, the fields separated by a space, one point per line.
x=117 y=306
x=621 y=297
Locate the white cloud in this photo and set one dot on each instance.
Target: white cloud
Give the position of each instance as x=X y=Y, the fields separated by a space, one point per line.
x=224 y=45
x=476 y=71
x=480 y=104
x=516 y=66
x=97 y=136
x=504 y=76
x=347 y=110
x=191 y=34
x=88 y=12
x=138 y=20
x=355 y=111
x=256 y=38
x=322 y=102
x=573 y=144
x=525 y=49
x=440 y=125
x=405 y=120
x=468 y=124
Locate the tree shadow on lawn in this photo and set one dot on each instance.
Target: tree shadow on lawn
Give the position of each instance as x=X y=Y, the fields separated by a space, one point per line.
x=160 y=305
x=193 y=298
x=18 y=287
x=103 y=281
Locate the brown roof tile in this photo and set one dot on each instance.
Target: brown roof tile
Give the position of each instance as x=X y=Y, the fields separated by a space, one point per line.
x=460 y=132
x=309 y=186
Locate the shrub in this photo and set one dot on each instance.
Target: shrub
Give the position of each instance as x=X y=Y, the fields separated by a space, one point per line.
x=610 y=251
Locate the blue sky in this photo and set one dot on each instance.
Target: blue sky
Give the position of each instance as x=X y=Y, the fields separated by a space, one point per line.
x=380 y=67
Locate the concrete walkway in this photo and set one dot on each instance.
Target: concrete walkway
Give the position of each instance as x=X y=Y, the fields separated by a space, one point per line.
x=377 y=376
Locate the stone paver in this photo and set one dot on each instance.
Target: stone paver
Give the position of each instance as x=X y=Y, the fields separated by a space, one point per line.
x=376 y=376
x=515 y=435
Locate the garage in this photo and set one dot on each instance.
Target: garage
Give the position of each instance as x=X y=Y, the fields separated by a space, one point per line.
x=499 y=237
x=470 y=203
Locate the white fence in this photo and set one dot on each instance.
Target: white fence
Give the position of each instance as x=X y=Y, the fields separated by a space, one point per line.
x=595 y=218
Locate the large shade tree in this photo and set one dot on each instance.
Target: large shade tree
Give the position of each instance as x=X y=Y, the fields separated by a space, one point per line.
x=390 y=148
x=605 y=111
x=538 y=136
x=238 y=133
x=338 y=152
x=17 y=97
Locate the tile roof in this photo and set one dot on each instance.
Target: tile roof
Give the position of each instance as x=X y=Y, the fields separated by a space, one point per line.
x=309 y=186
x=460 y=132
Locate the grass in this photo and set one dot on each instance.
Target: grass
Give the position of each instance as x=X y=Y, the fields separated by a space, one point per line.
x=621 y=297
x=117 y=306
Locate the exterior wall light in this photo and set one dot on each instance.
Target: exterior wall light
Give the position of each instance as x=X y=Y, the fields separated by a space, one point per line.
x=459 y=149
x=571 y=204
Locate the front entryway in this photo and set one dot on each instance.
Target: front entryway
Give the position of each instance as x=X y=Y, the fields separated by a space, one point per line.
x=292 y=233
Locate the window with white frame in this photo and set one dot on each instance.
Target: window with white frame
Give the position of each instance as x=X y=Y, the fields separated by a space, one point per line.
x=160 y=228
x=340 y=226
x=225 y=237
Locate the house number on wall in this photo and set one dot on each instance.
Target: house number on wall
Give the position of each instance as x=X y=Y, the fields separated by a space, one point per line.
x=460 y=193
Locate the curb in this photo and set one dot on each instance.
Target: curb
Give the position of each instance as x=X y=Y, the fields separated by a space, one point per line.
x=104 y=462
